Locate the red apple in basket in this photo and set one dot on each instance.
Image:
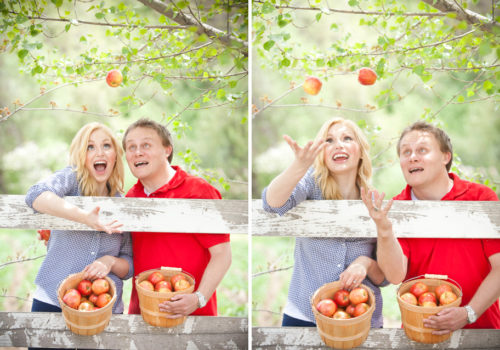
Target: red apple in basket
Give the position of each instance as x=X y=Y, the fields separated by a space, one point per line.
x=177 y=277
x=409 y=298
x=85 y=287
x=341 y=298
x=419 y=288
x=427 y=296
x=163 y=287
x=181 y=285
x=428 y=304
x=93 y=298
x=100 y=286
x=147 y=285
x=358 y=295
x=72 y=298
x=441 y=289
x=155 y=277
x=86 y=306
x=103 y=299
x=350 y=309
x=360 y=309
x=327 y=307
x=341 y=315
x=447 y=298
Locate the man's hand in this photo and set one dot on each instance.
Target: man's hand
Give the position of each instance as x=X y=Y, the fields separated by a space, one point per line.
x=180 y=305
x=447 y=320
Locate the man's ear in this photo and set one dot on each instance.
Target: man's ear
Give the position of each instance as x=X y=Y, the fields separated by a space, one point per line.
x=447 y=157
x=168 y=151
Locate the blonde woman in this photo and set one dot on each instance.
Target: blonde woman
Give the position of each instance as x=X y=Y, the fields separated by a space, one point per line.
x=333 y=166
x=96 y=169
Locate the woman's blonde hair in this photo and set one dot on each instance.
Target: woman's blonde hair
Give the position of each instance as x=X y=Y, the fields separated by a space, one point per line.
x=324 y=178
x=78 y=155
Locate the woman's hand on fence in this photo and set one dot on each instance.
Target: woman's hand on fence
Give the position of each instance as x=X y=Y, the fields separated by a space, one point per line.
x=304 y=156
x=99 y=268
x=373 y=202
x=447 y=320
x=352 y=276
x=94 y=222
x=180 y=305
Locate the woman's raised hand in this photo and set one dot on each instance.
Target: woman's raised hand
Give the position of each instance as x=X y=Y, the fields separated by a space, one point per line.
x=304 y=156
x=373 y=202
x=94 y=222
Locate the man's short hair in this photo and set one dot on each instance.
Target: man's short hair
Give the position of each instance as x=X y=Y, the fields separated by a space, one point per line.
x=162 y=131
x=442 y=138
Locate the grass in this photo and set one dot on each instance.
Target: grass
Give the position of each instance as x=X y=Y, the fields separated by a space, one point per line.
x=270 y=289
x=17 y=279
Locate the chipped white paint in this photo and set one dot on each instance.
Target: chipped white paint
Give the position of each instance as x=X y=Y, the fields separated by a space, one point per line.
x=349 y=218
x=188 y=325
x=137 y=214
x=455 y=340
x=191 y=346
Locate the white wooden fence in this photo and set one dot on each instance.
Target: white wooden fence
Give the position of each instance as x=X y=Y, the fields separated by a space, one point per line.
x=345 y=218
x=19 y=329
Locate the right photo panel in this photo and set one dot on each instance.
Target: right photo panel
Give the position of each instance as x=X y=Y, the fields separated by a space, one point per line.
x=375 y=174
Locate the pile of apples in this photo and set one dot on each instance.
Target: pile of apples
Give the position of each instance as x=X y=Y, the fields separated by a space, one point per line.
x=159 y=283
x=345 y=304
x=88 y=296
x=420 y=295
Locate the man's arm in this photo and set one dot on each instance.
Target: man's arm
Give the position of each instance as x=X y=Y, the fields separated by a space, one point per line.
x=185 y=304
x=453 y=318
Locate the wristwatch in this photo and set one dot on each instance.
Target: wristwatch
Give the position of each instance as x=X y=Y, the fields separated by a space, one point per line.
x=471 y=314
x=201 y=299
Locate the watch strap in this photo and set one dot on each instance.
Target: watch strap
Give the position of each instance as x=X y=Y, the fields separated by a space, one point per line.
x=201 y=299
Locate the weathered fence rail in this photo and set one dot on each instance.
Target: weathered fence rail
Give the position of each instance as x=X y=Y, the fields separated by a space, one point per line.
x=137 y=214
x=23 y=329
x=349 y=218
x=288 y=338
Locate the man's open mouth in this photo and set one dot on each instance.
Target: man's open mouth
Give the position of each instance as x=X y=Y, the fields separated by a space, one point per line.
x=415 y=170
x=140 y=164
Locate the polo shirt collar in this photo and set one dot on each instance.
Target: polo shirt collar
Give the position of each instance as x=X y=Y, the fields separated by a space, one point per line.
x=458 y=189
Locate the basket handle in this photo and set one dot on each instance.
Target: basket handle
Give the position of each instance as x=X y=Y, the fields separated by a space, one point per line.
x=171 y=268
x=438 y=277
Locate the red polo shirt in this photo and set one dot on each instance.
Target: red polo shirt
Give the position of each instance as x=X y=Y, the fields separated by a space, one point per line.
x=463 y=260
x=186 y=250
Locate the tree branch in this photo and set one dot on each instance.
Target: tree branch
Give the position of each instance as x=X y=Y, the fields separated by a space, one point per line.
x=184 y=19
x=20 y=260
x=484 y=23
x=77 y=22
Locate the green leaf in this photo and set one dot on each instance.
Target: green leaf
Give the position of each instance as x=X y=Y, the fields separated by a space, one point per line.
x=221 y=94
x=285 y=62
x=460 y=99
x=267 y=8
x=99 y=15
x=419 y=70
x=83 y=39
x=36 y=70
x=67 y=27
x=268 y=44
x=488 y=87
x=22 y=53
x=485 y=48
x=318 y=17
x=353 y=3
x=20 y=18
x=58 y=3
x=69 y=70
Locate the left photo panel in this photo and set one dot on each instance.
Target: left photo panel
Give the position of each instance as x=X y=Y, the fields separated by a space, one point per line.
x=124 y=174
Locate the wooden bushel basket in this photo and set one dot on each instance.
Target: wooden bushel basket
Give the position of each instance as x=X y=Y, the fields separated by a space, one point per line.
x=85 y=322
x=342 y=334
x=149 y=301
x=412 y=316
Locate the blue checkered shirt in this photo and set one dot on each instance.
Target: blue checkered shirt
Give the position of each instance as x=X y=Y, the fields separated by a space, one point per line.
x=322 y=260
x=68 y=251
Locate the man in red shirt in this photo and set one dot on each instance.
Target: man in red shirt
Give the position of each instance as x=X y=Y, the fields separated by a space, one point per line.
x=149 y=151
x=426 y=154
